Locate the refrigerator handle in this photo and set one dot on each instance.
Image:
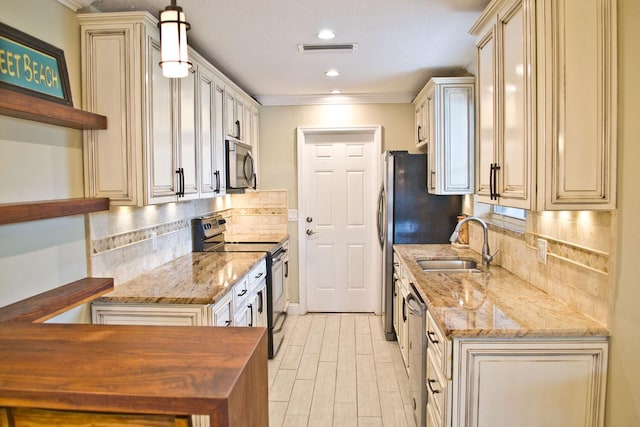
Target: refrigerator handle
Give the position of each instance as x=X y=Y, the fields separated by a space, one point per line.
x=381 y=227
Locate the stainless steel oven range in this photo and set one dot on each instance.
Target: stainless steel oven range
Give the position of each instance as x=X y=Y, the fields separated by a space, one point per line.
x=208 y=236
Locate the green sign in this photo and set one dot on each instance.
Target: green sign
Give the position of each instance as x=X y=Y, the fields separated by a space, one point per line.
x=31 y=65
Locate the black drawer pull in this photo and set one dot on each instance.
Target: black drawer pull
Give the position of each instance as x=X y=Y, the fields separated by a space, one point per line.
x=244 y=291
x=431 y=389
x=431 y=336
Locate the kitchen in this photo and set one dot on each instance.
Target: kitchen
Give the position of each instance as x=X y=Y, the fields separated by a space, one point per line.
x=50 y=165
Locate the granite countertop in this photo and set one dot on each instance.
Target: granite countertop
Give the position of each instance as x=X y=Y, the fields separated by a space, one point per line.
x=491 y=303
x=195 y=278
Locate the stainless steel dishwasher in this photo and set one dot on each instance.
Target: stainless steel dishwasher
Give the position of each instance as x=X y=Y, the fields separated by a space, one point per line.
x=417 y=311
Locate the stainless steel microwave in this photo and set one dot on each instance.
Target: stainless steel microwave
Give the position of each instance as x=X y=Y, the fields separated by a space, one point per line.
x=240 y=166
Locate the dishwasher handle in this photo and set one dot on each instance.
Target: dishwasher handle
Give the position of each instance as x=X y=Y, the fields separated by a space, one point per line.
x=414 y=301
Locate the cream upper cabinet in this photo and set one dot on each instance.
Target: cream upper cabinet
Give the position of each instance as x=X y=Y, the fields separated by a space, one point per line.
x=577 y=85
x=546 y=104
x=506 y=106
x=232 y=123
x=165 y=137
x=449 y=133
x=211 y=106
x=421 y=125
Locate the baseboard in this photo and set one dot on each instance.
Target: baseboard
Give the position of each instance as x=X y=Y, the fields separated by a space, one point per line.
x=296 y=308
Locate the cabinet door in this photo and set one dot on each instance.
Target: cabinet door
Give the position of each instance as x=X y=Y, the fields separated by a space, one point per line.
x=221 y=312
x=421 y=131
x=110 y=62
x=260 y=305
x=527 y=383
x=486 y=113
x=230 y=126
x=577 y=83
x=255 y=142
x=219 y=170
x=187 y=144
x=240 y=125
x=162 y=163
x=242 y=315
x=517 y=46
x=451 y=125
x=208 y=179
x=247 y=132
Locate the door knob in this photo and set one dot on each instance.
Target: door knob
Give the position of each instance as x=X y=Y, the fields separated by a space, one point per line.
x=309 y=219
x=310 y=232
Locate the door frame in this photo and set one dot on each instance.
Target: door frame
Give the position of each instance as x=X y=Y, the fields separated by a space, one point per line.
x=301 y=134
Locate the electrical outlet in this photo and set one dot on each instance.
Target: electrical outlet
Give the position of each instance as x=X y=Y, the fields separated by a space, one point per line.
x=542 y=251
x=154 y=242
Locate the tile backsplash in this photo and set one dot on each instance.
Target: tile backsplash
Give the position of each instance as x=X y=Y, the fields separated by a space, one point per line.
x=579 y=257
x=127 y=241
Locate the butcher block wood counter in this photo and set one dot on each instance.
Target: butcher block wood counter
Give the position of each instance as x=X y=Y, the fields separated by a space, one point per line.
x=220 y=372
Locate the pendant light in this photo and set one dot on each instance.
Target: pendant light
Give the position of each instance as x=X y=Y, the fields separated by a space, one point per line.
x=173 y=42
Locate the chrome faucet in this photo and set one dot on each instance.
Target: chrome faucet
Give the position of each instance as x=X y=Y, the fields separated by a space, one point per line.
x=487 y=257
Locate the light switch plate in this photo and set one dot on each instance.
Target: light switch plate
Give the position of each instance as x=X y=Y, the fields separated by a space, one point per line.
x=292 y=215
x=542 y=251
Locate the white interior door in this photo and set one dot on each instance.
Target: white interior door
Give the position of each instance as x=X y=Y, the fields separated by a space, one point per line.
x=338 y=199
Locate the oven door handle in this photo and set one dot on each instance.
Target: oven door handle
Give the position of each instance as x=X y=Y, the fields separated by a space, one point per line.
x=282 y=316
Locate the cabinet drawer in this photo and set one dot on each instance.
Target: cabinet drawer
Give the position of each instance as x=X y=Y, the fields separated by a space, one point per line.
x=149 y=314
x=440 y=346
x=438 y=389
x=256 y=275
x=240 y=291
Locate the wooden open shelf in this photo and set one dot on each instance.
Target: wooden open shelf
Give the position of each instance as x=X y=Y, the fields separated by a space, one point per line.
x=29 y=211
x=23 y=106
x=46 y=305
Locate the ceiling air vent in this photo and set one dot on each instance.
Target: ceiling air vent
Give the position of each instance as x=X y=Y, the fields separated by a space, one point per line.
x=344 y=47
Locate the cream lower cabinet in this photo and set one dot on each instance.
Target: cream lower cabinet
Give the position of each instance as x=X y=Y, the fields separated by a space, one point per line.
x=401 y=320
x=554 y=382
x=546 y=104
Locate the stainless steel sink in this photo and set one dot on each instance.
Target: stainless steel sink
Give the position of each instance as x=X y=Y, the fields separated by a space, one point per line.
x=448 y=264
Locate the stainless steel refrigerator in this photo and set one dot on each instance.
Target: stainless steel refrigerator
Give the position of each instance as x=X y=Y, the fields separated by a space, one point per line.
x=407 y=213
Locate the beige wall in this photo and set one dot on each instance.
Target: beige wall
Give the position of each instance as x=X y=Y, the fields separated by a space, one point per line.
x=39 y=162
x=623 y=400
x=278 y=146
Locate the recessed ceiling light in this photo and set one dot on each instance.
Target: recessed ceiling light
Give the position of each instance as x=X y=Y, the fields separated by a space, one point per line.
x=335 y=91
x=332 y=73
x=326 y=35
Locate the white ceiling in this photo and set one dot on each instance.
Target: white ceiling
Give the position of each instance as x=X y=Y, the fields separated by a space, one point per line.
x=401 y=43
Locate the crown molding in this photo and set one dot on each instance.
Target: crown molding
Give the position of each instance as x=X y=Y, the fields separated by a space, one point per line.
x=341 y=99
x=75 y=5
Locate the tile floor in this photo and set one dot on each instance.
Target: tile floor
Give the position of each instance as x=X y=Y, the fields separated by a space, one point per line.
x=338 y=370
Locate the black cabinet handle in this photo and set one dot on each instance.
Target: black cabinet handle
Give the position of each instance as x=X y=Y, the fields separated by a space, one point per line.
x=404 y=310
x=429 y=382
x=286 y=269
x=419 y=137
x=255 y=181
x=431 y=336
x=227 y=323
x=217 y=175
x=180 y=192
x=251 y=314
x=259 y=275
x=238 y=129
x=261 y=300
x=243 y=293
x=493 y=181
